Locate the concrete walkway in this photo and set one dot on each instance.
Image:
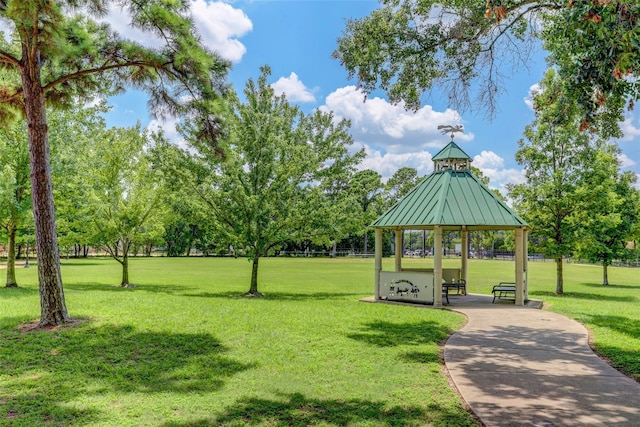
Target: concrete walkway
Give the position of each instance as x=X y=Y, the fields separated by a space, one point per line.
x=519 y=366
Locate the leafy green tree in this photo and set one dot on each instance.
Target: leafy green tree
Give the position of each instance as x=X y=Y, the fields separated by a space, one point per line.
x=56 y=57
x=188 y=222
x=337 y=194
x=72 y=131
x=606 y=224
x=478 y=173
x=555 y=157
x=407 y=47
x=367 y=188
x=124 y=194
x=15 y=197
x=402 y=181
x=594 y=46
x=181 y=237
x=151 y=233
x=177 y=236
x=266 y=189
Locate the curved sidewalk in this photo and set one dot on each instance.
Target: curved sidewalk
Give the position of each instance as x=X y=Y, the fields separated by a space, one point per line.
x=518 y=366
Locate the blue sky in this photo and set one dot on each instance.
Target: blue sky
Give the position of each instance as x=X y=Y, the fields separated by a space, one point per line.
x=296 y=39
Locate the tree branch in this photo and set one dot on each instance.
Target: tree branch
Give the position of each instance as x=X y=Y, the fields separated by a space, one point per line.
x=101 y=69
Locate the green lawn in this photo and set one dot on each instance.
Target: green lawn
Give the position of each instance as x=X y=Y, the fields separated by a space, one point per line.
x=184 y=349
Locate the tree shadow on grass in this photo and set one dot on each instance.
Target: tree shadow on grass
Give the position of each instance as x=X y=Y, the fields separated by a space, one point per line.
x=57 y=366
x=620 y=324
x=388 y=334
x=81 y=262
x=277 y=296
x=18 y=292
x=626 y=361
x=301 y=411
x=113 y=287
x=420 y=357
x=610 y=285
x=585 y=295
x=180 y=290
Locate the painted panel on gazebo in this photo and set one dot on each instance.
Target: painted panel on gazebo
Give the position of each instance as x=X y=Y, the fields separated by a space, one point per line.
x=409 y=286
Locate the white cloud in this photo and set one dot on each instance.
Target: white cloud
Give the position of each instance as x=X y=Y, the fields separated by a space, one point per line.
x=168 y=127
x=535 y=88
x=629 y=130
x=498 y=178
x=293 y=88
x=626 y=161
x=488 y=160
x=219 y=25
x=391 y=128
x=388 y=163
x=93 y=102
x=492 y=166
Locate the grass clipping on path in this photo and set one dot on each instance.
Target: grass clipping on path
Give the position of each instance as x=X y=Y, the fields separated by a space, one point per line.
x=185 y=348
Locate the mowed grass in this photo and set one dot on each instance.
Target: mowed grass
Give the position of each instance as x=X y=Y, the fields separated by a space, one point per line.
x=185 y=349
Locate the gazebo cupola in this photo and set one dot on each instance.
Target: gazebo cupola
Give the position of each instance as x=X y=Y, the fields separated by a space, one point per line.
x=451 y=157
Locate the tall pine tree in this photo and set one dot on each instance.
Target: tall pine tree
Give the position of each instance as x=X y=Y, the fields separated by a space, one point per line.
x=58 y=55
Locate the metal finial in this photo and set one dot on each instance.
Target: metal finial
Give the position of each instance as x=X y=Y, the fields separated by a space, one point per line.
x=449 y=128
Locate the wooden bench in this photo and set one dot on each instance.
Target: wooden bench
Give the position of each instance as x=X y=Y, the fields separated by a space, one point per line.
x=504 y=290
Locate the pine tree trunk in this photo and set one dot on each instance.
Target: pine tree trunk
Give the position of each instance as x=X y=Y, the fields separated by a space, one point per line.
x=605 y=274
x=559 y=276
x=53 y=310
x=11 y=258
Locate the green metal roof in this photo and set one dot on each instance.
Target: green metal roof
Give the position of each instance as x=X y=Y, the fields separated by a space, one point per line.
x=450 y=198
x=451 y=151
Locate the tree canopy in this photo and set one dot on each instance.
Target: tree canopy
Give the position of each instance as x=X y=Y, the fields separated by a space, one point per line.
x=124 y=191
x=556 y=157
x=606 y=225
x=408 y=47
x=262 y=184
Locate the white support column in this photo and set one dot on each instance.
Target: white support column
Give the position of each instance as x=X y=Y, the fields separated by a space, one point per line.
x=437 y=266
x=399 y=250
x=519 y=267
x=525 y=244
x=464 y=237
x=378 y=261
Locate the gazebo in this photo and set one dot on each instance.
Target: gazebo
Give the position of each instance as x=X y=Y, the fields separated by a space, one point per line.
x=451 y=198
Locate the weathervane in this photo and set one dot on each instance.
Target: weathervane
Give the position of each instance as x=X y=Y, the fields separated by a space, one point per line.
x=445 y=129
